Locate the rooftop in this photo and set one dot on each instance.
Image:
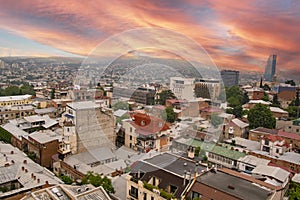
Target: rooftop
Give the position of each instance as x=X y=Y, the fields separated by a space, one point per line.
x=15 y=98
x=45 y=136
x=278 y=110
x=239 y=123
x=274 y=172
x=83 y=105
x=234 y=185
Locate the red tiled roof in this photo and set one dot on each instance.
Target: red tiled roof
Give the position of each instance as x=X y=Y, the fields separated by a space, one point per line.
x=147 y=125
x=273 y=138
x=289 y=135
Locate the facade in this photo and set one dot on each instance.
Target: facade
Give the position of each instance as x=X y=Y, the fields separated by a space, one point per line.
x=164 y=176
x=274 y=145
x=94 y=124
x=42 y=145
x=270 y=69
x=289 y=126
x=230 y=77
x=292 y=139
x=15 y=100
x=144 y=133
x=207 y=88
x=140 y=95
x=183 y=88
x=14 y=112
x=236 y=128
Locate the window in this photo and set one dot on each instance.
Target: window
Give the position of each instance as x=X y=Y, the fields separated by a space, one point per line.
x=195 y=195
x=266 y=142
x=130 y=137
x=173 y=189
x=133 y=192
x=130 y=130
x=145 y=196
x=152 y=198
x=277 y=150
x=130 y=145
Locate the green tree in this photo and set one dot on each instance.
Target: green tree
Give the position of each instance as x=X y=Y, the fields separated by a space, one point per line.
x=294 y=191
x=12 y=90
x=27 y=89
x=297 y=100
x=66 y=179
x=275 y=102
x=164 y=95
x=96 y=180
x=197 y=151
x=169 y=115
x=291 y=82
x=261 y=116
x=52 y=94
x=265 y=97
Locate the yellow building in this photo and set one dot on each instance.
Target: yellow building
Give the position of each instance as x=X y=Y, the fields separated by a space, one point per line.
x=15 y=100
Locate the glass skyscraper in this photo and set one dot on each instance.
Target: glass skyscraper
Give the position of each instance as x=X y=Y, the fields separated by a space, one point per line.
x=270 y=69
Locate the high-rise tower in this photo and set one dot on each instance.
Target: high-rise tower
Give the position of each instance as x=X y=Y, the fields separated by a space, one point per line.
x=270 y=69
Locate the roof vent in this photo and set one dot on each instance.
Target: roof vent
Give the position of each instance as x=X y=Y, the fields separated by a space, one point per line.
x=231 y=187
x=185 y=164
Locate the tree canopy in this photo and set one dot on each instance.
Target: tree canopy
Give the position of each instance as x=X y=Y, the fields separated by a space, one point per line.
x=15 y=90
x=169 y=115
x=261 y=116
x=164 y=95
x=236 y=98
x=291 y=82
x=96 y=180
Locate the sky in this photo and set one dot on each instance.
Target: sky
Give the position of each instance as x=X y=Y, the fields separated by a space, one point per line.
x=236 y=34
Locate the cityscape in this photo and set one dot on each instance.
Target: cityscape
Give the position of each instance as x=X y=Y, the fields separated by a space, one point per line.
x=149 y=100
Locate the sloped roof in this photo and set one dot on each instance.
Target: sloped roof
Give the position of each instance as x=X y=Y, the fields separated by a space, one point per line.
x=239 y=123
x=271 y=171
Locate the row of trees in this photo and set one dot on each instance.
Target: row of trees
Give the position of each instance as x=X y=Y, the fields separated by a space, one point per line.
x=15 y=90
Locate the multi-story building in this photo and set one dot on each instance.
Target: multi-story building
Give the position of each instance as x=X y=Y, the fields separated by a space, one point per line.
x=21 y=175
x=94 y=124
x=165 y=176
x=140 y=95
x=230 y=77
x=183 y=88
x=42 y=145
x=292 y=139
x=207 y=88
x=144 y=132
x=236 y=128
x=270 y=69
x=15 y=100
x=274 y=145
x=13 y=112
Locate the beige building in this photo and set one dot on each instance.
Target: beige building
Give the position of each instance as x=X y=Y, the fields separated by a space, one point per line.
x=94 y=124
x=236 y=128
x=144 y=133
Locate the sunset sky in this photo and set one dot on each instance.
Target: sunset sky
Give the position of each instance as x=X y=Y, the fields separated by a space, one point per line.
x=236 y=34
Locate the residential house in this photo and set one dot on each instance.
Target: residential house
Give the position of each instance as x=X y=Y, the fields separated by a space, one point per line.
x=42 y=145
x=236 y=128
x=164 y=176
x=228 y=184
x=274 y=145
x=144 y=132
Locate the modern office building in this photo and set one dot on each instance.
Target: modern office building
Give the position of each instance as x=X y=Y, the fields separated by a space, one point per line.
x=270 y=69
x=230 y=77
x=183 y=88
